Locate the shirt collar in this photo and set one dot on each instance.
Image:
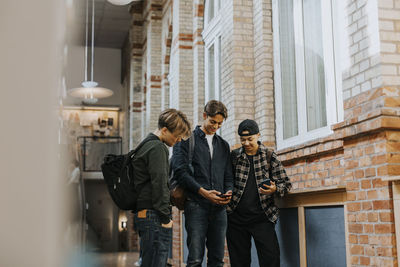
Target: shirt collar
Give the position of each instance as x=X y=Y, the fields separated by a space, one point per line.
x=261 y=149
x=199 y=131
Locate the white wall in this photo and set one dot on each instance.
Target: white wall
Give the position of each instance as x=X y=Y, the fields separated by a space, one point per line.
x=107 y=73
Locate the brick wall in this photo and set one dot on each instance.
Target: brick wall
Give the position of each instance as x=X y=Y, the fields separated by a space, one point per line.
x=198 y=62
x=362 y=153
x=389 y=29
x=363 y=150
x=363 y=71
x=154 y=63
x=263 y=75
x=237 y=78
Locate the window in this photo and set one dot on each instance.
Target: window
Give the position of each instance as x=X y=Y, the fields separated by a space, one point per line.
x=212 y=40
x=306 y=88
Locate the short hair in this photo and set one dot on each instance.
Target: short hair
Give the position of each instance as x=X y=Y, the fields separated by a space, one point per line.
x=215 y=107
x=175 y=121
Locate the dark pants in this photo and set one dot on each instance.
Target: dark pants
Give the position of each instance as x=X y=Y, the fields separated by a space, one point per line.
x=154 y=239
x=205 y=226
x=239 y=244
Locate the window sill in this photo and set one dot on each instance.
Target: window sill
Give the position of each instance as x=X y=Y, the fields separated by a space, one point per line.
x=310 y=149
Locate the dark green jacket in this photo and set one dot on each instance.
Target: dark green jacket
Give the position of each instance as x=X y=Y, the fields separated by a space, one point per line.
x=151 y=177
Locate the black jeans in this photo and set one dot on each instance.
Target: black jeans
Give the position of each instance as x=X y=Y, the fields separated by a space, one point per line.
x=154 y=239
x=239 y=244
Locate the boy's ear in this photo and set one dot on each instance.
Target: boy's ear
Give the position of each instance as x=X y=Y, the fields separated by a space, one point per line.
x=204 y=115
x=164 y=130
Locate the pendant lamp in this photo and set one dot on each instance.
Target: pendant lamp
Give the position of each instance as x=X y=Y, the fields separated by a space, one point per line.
x=120 y=2
x=89 y=90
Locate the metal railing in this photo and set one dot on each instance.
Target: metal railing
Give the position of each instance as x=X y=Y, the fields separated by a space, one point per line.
x=94 y=148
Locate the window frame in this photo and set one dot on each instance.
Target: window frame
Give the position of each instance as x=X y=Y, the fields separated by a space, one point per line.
x=212 y=36
x=334 y=109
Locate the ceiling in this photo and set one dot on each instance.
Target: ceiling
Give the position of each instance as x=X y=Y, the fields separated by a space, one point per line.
x=111 y=23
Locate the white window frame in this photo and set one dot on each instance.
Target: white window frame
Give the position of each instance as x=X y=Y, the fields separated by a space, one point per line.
x=333 y=95
x=212 y=36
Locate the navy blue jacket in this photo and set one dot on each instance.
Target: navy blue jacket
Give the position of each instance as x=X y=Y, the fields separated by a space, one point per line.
x=215 y=173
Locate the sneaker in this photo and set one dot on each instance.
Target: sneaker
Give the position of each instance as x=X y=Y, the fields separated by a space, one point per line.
x=139 y=262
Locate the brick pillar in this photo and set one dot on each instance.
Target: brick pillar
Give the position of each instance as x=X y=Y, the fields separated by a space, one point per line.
x=153 y=17
x=136 y=75
x=165 y=53
x=135 y=98
x=263 y=71
x=182 y=57
x=237 y=77
x=198 y=62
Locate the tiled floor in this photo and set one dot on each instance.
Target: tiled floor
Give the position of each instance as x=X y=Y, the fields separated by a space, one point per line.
x=115 y=259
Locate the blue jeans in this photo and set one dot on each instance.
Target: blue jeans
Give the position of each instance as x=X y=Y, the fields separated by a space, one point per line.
x=154 y=239
x=205 y=226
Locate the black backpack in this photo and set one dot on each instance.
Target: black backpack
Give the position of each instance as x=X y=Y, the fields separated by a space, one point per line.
x=118 y=174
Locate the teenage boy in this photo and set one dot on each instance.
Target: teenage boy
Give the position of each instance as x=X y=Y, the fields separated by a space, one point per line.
x=252 y=211
x=209 y=187
x=151 y=182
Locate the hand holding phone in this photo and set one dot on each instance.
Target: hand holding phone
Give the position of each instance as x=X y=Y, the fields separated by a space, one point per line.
x=265 y=183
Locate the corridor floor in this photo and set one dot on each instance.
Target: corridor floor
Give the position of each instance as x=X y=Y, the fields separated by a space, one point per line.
x=116 y=259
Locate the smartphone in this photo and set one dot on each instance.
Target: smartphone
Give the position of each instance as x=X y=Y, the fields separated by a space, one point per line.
x=265 y=182
x=223 y=195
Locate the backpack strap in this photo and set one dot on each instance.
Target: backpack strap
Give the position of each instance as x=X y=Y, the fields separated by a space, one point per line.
x=132 y=153
x=269 y=157
x=191 y=148
x=190 y=152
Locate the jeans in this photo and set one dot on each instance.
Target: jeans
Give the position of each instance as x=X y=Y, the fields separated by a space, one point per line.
x=239 y=244
x=205 y=226
x=154 y=239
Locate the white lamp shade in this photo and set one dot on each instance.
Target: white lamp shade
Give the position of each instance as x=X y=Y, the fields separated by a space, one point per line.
x=92 y=92
x=120 y=2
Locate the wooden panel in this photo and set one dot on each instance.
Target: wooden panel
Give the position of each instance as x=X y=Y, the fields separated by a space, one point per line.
x=396 y=204
x=302 y=238
x=313 y=199
x=346 y=228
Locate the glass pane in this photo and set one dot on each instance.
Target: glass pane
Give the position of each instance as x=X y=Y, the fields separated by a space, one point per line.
x=210 y=10
x=288 y=68
x=211 y=73
x=325 y=236
x=287 y=231
x=314 y=65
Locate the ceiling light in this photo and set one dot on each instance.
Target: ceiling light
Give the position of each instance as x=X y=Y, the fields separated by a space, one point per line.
x=89 y=90
x=120 y=2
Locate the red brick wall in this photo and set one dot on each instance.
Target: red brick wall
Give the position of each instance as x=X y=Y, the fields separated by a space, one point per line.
x=363 y=151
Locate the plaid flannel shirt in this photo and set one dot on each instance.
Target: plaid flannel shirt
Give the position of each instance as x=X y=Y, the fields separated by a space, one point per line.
x=263 y=169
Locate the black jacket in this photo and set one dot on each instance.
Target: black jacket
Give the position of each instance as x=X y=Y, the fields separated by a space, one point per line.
x=151 y=177
x=215 y=173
